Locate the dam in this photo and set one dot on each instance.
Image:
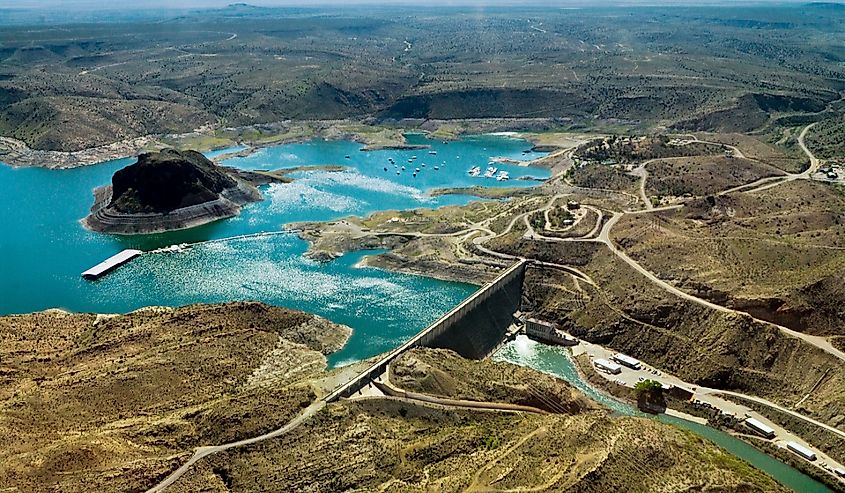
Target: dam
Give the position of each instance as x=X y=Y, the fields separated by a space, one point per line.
x=473 y=329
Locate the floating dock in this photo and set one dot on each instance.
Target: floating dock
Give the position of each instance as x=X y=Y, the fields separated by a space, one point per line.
x=110 y=264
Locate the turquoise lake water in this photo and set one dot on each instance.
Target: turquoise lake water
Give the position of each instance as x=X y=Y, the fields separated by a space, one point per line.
x=44 y=249
x=556 y=361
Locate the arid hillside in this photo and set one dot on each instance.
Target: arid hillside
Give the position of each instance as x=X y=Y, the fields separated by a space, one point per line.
x=112 y=403
x=778 y=253
x=68 y=85
x=388 y=444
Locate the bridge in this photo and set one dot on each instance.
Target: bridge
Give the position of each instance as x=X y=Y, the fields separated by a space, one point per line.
x=473 y=329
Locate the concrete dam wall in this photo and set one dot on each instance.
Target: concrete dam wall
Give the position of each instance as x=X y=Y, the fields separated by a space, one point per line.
x=473 y=329
x=477 y=326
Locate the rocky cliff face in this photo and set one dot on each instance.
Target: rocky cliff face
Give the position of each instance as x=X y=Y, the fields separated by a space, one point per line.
x=113 y=402
x=166 y=191
x=168 y=180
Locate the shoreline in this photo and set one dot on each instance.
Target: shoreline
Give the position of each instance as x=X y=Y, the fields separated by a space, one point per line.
x=388 y=136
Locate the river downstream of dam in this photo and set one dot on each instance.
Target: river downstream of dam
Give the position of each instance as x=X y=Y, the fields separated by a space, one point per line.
x=555 y=360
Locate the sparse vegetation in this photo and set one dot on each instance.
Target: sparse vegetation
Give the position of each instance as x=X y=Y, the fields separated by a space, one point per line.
x=91 y=84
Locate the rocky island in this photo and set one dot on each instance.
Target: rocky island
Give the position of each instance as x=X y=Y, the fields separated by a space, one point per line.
x=168 y=190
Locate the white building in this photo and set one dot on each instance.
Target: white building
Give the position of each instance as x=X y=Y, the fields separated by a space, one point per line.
x=547 y=332
x=608 y=366
x=628 y=361
x=801 y=450
x=760 y=428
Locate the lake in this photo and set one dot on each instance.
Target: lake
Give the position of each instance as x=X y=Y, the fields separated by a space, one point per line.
x=44 y=249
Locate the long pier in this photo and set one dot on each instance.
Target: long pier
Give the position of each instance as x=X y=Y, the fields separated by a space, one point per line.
x=110 y=264
x=437 y=334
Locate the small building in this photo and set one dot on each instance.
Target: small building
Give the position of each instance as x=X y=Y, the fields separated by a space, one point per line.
x=801 y=450
x=760 y=428
x=628 y=361
x=607 y=366
x=573 y=205
x=547 y=332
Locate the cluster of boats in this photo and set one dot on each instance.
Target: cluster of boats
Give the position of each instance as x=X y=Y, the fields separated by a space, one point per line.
x=475 y=171
x=490 y=173
x=412 y=159
x=181 y=247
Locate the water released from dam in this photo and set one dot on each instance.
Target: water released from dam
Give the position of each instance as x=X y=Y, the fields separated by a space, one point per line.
x=44 y=248
x=556 y=361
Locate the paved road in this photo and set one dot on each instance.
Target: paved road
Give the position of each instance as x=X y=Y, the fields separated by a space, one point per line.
x=713 y=397
x=814 y=162
x=385 y=386
x=709 y=391
x=807 y=174
x=642 y=173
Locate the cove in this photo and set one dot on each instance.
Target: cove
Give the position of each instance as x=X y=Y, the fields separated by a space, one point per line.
x=44 y=249
x=556 y=361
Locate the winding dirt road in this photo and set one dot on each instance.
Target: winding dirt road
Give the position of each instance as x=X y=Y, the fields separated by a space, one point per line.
x=604 y=236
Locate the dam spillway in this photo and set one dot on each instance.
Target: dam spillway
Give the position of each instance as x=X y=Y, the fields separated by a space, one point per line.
x=473 y=329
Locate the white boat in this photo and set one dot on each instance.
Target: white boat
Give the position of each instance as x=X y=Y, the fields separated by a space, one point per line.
x=436 y=168
x=491 y=172
x=403 y=168
x=433 y=153
x=417 y=170
x=475 y=171
x=503 y=175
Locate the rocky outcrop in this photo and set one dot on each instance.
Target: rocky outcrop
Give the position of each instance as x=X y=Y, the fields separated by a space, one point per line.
x=166 y=191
